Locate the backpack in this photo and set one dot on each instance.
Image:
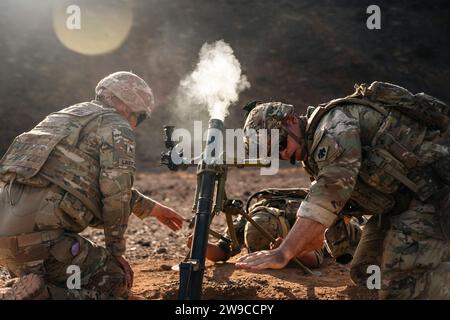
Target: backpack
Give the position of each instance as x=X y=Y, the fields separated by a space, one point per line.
x=421 y=107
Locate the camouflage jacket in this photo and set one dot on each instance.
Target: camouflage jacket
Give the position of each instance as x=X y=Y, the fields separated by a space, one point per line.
x=111 y=139
x=105 y=144
x=338 y=150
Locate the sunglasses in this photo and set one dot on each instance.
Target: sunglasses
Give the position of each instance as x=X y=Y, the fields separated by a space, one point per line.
x=140 y=118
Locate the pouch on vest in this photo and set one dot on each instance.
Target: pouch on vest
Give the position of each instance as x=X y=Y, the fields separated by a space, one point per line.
x=375 y=202
x=341 y=240
x=27 y=154
x=78 y=213
x=381 y=170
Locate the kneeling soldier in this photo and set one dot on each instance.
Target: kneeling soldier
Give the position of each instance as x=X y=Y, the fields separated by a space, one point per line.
x=73 y=170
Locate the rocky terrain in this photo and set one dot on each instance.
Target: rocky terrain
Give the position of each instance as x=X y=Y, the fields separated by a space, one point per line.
x=153 y=249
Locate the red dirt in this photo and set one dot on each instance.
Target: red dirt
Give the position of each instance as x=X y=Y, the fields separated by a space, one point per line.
x=153 y=249
x=155 y=280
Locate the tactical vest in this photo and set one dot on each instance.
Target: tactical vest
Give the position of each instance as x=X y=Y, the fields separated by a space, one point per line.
x=390 y=161
x=49 y=153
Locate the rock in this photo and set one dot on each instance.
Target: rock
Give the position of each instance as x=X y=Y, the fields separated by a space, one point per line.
x=144 y=243
x=161 y=250
x=165 y=267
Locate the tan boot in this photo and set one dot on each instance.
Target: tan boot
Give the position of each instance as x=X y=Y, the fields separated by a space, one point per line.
x=28 y=287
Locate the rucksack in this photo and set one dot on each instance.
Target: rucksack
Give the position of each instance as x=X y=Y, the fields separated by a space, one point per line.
x=421 y=107
x=384 y=97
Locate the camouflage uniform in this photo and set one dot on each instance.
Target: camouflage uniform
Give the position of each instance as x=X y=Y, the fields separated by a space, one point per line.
x=405 y=235
x=73 y=170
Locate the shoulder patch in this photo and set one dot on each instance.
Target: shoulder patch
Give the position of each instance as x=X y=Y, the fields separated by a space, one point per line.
x=321 y=153
x=327 y=149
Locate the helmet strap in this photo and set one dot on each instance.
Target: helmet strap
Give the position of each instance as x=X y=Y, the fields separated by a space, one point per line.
x=140 y=117
x=296 y=138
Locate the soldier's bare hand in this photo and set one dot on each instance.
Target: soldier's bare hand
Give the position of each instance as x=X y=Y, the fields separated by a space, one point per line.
x=168 y=217
x=267 y=259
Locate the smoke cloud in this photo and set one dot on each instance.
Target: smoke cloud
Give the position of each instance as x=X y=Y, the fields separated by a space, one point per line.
x=216 y=81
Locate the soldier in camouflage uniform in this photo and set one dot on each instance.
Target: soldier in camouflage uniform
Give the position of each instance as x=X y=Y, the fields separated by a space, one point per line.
x=375 y=150
x=275 y=210
x=73 y=170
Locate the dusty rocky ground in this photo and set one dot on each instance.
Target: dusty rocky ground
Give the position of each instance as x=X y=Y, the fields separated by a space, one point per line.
x=153 y=249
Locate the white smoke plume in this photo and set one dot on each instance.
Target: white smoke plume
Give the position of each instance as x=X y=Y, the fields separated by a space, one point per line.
x=216 y=81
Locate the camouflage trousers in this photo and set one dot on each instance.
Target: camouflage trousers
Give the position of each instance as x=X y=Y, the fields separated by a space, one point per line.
x=100 y=275
x=411 y=251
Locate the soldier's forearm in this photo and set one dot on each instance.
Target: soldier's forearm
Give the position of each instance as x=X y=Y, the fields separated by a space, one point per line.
x=306 y=235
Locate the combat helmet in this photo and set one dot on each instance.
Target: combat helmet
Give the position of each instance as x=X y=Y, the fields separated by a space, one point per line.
x=271 y=221
x=131 y=90
x=270 y=115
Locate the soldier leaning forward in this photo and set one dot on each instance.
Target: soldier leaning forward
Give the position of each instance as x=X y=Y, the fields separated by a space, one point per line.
x=76 y=169
x=375 y=150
